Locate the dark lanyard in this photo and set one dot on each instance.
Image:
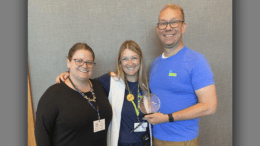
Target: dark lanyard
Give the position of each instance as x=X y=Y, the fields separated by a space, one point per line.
x=87 y=100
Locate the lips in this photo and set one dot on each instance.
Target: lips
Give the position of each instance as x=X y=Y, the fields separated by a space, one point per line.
x=168 y=35
x=130 y=68
x=84 y=71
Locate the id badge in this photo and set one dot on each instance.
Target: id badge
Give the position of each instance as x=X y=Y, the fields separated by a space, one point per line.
x=99 y=125
x=141 y=128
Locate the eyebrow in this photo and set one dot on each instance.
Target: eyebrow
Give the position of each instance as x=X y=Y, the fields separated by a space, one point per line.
x=130 y=56
x=82 y=59
x=173 y=19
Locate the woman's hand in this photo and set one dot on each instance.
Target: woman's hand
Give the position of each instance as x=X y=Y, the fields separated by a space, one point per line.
x=63 y=76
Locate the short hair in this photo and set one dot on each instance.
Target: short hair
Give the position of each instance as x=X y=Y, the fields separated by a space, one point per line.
x=80 y=46
x=174 y=7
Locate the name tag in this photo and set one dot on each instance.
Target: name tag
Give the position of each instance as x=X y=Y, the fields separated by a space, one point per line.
x=99 y=125
x=141 y=128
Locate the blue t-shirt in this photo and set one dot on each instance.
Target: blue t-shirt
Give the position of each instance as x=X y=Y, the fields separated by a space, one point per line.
x=174 y=80
x=128 y=114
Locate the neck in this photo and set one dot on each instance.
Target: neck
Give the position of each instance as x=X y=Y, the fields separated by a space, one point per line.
x=132 y=78
x=170 y=51
x=82 y=86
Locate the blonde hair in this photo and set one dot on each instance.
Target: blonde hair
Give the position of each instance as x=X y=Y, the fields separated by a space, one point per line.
x=142 y=76
x=174 y=7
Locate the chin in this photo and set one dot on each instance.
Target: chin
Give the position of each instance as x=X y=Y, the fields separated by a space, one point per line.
x=85 y=77
x=169 y=45
x=131 y=74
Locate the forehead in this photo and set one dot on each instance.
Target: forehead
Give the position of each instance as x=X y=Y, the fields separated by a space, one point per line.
x=128 y=52
x=82 y=54
x=170 y=14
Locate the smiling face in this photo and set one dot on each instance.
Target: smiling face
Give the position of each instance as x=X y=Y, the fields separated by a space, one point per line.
x=130 y=62
x=171 y=37
x=84 y=72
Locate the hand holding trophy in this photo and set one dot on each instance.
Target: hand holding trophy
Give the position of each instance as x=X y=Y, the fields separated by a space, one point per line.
x=148 y=104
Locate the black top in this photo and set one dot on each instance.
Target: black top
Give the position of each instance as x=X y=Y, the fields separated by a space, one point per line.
x=65 y=118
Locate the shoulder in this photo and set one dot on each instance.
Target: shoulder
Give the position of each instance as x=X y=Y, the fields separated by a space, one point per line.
x=156 y=60
x=193 y=54
x=193 y=57
x=104 y=79
x=112 y=74
x=54 y=89
x=57 y=86
x=98 y=87
x=52 y=95
x=95 y=82
x=197 y=63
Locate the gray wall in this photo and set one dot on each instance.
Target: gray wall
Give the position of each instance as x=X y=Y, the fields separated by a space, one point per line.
x=54 y=26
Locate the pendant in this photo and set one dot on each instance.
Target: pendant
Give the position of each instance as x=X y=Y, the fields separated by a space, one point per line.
x=130 y=97
x=94 y=99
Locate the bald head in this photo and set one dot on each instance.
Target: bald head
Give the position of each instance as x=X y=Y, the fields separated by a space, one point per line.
x=174 y=7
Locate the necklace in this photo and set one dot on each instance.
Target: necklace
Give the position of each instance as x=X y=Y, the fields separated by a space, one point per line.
x=82 y=93
x=130 y=97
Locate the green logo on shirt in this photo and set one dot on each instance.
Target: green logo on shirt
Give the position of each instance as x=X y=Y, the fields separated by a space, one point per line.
x=172 y=74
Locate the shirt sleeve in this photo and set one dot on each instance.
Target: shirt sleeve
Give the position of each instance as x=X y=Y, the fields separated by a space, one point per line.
x=202 y=74
x=46 y=115
x=105 y=81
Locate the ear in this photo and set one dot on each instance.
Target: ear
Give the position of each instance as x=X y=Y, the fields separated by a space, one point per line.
x=184 y=25
x=68 y=63
x=157 y=30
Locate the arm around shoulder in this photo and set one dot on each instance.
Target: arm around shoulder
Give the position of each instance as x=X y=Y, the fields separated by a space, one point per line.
x=62 y=77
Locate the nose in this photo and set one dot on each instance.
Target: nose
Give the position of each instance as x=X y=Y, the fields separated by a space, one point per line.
x=168 y=26
x=130 y=62
x=85 y=65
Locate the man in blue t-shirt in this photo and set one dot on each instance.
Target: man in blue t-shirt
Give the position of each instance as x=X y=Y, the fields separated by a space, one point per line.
x=183 y=81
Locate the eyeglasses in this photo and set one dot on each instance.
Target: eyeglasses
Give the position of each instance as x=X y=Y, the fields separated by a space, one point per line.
x=80 y=62
x=173 y=24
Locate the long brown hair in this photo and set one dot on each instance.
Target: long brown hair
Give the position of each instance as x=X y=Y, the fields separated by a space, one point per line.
x=142 y=76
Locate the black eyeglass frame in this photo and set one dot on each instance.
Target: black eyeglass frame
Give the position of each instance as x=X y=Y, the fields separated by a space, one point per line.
x=93 y=63
x=179 y=21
